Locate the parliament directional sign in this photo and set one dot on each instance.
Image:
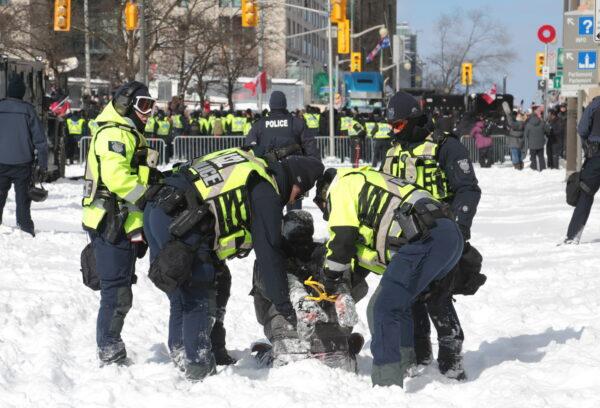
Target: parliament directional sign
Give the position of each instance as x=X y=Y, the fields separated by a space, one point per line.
x=580 y=53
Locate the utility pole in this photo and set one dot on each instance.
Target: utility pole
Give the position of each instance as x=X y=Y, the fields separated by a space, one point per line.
x=330 y=74
x=88 y=69
x=143 y=61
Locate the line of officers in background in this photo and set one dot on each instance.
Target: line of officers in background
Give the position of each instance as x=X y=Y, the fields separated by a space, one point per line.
x=409 y=224
x=177 y=122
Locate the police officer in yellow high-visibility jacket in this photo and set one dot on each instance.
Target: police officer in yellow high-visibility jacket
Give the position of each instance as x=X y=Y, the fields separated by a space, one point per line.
x=75 y=127
x=117 y=176
x=439 y=163
x=384 y=224
x=217 y=207
x=381 y=141
x=312 y=118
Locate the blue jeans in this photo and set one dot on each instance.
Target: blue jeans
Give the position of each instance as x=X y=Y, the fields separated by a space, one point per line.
x=192 y=306
x=516 y=155
x=411 y=270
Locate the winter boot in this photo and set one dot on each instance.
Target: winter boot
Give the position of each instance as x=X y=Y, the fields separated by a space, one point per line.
x=423 y=351
x=178 y=358
x=394 y=373
x=112 y=354
x=199 y=371
x=222 y=357
x=451 y=364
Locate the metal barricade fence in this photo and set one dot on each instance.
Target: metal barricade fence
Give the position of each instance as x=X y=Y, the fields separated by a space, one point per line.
x=344 y=148
x=499 y=148
x=156 y=144
x=189 y=147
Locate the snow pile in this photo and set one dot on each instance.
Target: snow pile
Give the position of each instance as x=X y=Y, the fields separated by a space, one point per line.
x=532 y=332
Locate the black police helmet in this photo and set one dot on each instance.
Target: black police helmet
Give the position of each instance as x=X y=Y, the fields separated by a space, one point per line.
x=37 y=194
x=16 y=87
x=125 y=96
x=402 y=106
x=298 y=227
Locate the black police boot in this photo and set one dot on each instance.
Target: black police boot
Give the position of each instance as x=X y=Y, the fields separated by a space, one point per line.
x=223 y=358
x=198 y=371
x=423 y=351
x=451 y=364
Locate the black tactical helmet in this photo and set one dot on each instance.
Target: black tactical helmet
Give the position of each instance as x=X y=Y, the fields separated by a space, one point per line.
x=298 y=227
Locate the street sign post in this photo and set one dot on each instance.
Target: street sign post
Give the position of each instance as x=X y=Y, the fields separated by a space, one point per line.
x=581 y=68
x=575 y=33
x=597 y=20
x=580 y=54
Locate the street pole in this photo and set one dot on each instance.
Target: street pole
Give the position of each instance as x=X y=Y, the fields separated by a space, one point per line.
x=504 y=84
x=261 y=32
x=337 y=72
x=351 y=25
x=88 y=69
x=143 y=61
x=546 y=83
x=330 y=74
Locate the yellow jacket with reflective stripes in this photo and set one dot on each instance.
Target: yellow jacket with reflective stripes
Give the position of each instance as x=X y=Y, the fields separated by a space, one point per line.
x=163 y=127
x=109 y=168
x=419 y=165
x=369 y=126
x=93 y=127
x=312 y=120
x=75 y=127
x=150 y=125
x=221 y=181
x=383 y=131
x=177 y=121
x=361 y=206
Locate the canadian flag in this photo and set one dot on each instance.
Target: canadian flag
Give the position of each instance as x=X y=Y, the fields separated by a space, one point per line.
x=259 y=80
x=490 y=96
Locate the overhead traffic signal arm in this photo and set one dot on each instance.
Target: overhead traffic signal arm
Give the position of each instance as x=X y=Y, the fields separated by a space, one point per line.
x=62 y=15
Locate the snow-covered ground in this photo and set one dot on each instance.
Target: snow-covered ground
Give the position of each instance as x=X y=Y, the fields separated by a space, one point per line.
x=532 y=332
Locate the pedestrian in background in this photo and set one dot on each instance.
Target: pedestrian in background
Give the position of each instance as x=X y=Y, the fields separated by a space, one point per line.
x=535 y=134
x=556 y=133
x=514 y=138
x=483 y=143
x=22 y=140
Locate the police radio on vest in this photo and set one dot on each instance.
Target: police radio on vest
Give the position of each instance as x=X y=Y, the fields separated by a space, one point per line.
x=276 y=123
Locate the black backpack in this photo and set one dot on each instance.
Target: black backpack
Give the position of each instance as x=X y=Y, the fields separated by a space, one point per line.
x=574 y=188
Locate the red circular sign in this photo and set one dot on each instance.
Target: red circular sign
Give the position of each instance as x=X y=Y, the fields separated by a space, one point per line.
x=547 y=33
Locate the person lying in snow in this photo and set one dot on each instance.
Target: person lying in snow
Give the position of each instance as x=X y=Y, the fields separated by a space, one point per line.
x=318 y=335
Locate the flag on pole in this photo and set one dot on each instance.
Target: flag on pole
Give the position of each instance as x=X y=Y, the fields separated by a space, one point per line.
x=259 y=80
x=383 y=43
x=490 y=96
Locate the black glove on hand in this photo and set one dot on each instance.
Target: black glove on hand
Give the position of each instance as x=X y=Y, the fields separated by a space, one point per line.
x=140 y=249
x=334 y=282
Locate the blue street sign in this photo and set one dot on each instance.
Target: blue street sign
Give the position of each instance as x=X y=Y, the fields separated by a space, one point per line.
x=586 y=25
x=586 y=59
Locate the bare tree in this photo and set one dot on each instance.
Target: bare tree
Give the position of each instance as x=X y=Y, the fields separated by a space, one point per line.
x=472 y=36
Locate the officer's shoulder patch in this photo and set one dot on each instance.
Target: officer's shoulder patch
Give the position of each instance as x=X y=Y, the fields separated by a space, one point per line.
x=464 y=166
x=116 y=147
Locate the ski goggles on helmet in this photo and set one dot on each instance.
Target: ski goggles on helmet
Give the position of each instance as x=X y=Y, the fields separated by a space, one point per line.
x=144 y=104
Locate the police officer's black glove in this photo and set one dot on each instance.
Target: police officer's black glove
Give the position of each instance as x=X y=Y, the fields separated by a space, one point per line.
x=465 y=231
x=155 y=176
x=140 y=249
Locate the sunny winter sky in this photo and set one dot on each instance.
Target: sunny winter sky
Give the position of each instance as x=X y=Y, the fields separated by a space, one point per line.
x=522 y=19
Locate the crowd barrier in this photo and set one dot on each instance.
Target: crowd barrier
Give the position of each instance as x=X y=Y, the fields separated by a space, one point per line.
x=156 y=144
x=189 y=147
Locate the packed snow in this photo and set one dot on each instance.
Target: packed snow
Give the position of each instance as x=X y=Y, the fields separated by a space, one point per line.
x=532 y=333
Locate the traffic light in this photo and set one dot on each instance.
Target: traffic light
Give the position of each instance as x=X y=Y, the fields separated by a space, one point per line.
x=249 y=13
x=467 y=73
x=338 y=11
x=343 y=37
x=540 y=61
x=356 y=62
x=131 y=16
x=62 y=15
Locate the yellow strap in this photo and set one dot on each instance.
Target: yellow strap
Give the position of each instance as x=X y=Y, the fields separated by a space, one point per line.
x=319 y=288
